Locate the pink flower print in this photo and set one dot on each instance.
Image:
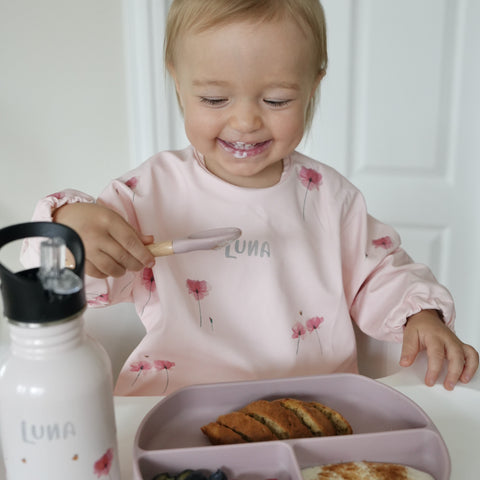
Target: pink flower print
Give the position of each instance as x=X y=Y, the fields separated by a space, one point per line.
x=313 y=323
x=139 y=367
x=298 y=332
x=57 y=195
x=103 y=465
x=132 y=183
x=312 y=326
x=384 y=242
x=99 y=300
x=311 y=179
x=148 y=281
x=199 y=289
x=164 y=365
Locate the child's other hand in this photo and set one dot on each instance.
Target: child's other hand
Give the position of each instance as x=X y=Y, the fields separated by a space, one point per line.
x=426 y=331
x=112 y=246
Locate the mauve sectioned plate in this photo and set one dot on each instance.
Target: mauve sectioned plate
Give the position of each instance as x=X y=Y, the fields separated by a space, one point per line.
x=387 y=427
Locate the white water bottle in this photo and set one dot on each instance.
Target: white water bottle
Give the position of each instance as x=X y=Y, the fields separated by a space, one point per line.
x=56 y=402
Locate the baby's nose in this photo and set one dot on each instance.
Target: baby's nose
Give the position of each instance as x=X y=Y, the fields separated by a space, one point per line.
x=246 y=117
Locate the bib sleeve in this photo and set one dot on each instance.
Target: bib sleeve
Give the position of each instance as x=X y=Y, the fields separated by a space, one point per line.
x=382 y=283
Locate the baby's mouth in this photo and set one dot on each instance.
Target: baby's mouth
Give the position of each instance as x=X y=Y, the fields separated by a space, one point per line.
x=243 y=146
x=242 y=149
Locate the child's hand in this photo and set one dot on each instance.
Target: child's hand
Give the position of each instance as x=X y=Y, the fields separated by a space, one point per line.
x=112 y=246
x=426 y=331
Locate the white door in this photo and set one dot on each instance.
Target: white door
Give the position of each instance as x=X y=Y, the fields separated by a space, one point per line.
x=399 y=116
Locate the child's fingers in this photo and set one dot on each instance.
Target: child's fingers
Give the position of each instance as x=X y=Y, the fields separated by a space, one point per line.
x=128 y=248
x=146 y=239
x=410 y=347
x=425 y=331
x=93 y=271
x=435 y=356
x=112 y=246
x=471 y=363
x=456 y=366
x=113 y=261
x=110 y=259
x=123 y=257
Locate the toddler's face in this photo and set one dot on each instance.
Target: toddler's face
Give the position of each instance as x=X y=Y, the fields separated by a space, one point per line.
x=244 y=89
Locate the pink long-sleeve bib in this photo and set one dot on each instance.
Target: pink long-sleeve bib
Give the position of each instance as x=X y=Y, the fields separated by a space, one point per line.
x=277 y=302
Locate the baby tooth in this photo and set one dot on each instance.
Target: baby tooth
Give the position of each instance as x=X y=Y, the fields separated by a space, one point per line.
x=242 y=145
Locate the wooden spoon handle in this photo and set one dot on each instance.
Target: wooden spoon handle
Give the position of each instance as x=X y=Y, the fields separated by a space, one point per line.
x=161 y=249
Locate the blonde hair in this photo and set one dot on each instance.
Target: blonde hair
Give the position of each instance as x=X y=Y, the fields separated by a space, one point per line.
x=201 y=15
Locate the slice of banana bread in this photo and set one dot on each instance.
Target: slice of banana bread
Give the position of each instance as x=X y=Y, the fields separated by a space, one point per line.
x=318 y=423
x=247 y=427
x=342 y=427
x=280 y=420
x=221 y=435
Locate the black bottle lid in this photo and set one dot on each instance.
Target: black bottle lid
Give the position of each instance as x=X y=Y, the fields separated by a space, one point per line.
x=50 y=292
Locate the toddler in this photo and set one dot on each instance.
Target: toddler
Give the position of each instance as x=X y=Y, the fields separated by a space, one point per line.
x=281 y=299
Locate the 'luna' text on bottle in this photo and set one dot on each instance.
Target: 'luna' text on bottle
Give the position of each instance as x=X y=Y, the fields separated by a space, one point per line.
x=32 y=433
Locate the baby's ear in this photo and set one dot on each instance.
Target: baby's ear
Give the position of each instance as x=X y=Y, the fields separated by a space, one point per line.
x=319 y=78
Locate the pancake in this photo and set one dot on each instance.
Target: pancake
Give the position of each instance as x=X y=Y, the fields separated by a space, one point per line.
x=364 y=471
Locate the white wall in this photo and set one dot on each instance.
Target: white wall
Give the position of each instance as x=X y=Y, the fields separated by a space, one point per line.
x=63 y=108
x=63 y=117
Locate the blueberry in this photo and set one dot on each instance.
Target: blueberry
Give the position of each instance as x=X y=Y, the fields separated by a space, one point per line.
x=196 y=475
x=218 y=475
